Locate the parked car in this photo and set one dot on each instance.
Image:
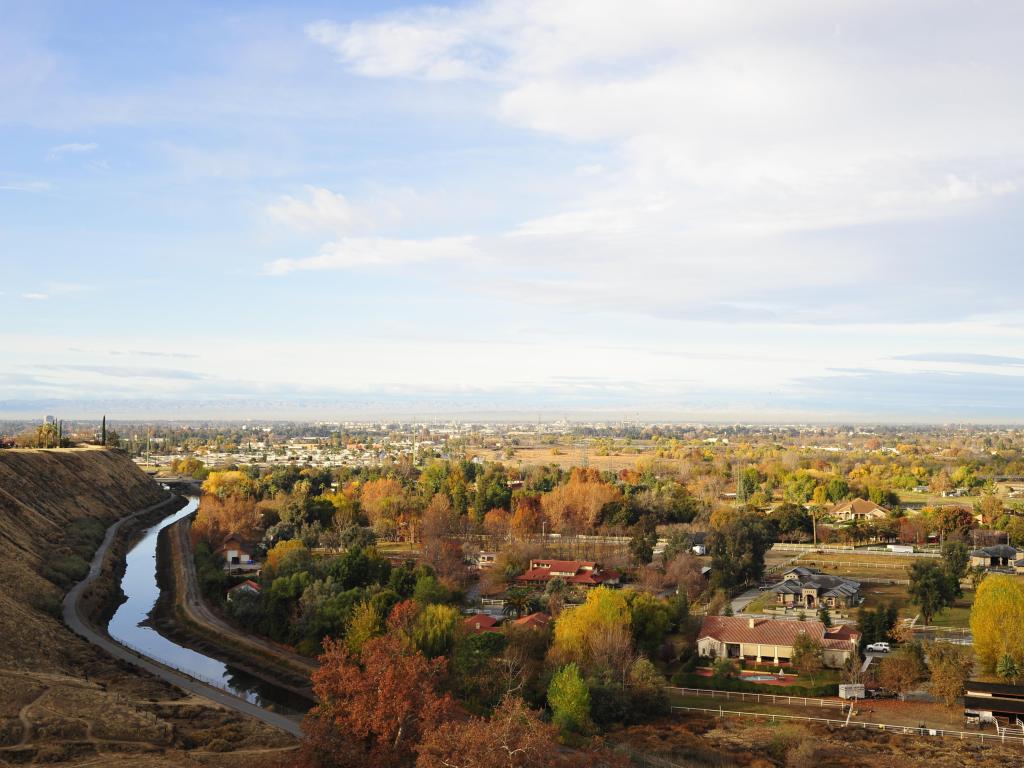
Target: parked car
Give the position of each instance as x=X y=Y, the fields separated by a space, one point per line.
x=879 y=647
x=880 y=693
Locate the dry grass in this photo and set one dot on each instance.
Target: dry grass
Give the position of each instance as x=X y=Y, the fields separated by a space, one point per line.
x=61 y=700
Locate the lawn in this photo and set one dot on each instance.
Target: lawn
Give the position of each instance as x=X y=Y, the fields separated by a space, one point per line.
x=877 y=595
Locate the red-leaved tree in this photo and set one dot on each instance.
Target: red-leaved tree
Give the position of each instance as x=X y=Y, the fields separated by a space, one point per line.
x=373 y=710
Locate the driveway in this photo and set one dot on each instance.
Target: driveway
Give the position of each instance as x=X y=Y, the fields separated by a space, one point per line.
x=742 y=601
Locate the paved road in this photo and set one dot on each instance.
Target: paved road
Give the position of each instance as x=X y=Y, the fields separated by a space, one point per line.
x=742 y=601
x=74 y=619
x=200 y=612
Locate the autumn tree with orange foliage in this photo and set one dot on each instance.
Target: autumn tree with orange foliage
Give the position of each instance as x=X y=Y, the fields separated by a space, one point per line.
x=383 y=501
x=438 y=546
x=577 y=505
x=217 y=517
x=527 y=517
x=514 y=737
x=374 y=709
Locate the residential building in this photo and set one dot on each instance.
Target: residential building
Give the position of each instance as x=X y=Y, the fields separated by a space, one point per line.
x=237 y=553
x=772 y=640
x=248 y=587
x=486 y=560
x=579 y=573
x=859 y=509
x=480 y=622
x=996 y=556
x=810 y=589
x=536 y=620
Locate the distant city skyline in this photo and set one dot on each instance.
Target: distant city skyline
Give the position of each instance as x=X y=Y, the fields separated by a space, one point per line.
x=682 y=211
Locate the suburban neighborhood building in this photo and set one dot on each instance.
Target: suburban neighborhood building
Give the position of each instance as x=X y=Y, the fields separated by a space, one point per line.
x=481 y=622
x=771 y=640
x=237 y=553
x=858 y=509
x=574 y=572
x=810 y=589
x=248 y=587
x=537 y=620
x=996 y=556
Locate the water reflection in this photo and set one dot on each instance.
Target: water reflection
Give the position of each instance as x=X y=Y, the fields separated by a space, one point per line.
x=127 y=626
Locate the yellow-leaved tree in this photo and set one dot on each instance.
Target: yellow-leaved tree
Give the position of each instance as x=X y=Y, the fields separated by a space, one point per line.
x=584 y=634
x=281 y=551
x=997 y=621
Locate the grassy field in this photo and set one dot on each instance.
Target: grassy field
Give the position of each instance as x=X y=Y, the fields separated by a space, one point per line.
x=876 y=595
x=565 y=456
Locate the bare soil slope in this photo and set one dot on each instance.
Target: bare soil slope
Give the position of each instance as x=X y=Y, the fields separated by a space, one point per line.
x=61 y=699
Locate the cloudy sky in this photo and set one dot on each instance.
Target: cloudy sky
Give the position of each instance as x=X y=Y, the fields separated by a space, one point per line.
x=768 y=210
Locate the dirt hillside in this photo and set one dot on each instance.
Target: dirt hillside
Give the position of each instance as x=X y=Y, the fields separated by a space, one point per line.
x=63 y=701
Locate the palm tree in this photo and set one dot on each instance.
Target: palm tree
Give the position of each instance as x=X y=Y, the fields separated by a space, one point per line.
x=518 y=602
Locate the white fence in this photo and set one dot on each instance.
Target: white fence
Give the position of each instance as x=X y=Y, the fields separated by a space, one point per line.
x=1003 y=738
x=760 y=698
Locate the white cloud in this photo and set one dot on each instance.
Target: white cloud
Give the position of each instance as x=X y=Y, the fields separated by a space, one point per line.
x=797 y=116
x=324 y=210
x=73 y=148
x=35 y=296
x=25 y=186
x=351 y=253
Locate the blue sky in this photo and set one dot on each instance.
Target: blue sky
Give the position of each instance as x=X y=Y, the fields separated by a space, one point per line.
x=698 y=210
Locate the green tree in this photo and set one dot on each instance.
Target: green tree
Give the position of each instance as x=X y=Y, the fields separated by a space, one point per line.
x=434 y=630
x=931 y=588
x=1007 y=668
x=824 y=616
x=955 y=560
x=808 y=658
x=518 y=602
x=737 y=549
x=641 y=546
x=569 y=699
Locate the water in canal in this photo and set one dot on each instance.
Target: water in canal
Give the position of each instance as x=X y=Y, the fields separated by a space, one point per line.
x=128 y=626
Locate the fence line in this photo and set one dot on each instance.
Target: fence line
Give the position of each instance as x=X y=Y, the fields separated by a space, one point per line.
x=758 y=697
x=889 y=566
x=885 y=727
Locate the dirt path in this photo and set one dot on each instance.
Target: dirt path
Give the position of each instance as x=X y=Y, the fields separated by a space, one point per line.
x=191 y=601
x=77 y=622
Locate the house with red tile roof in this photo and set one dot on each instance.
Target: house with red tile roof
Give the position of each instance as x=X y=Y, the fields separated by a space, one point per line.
x=480 y=622
x=536 y=620
x=248 y=586
x=772 y=640
x=581 y=573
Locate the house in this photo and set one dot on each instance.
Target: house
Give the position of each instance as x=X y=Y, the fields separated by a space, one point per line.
x=772 y=640
x=247 y=587
x=995 y=556
x=1018 y=566
x=485 y=560
x=574 y=572
x=237 y=553
x=480 y=622
x=858 y=509
x=810 y=589
x=992 y=702
x=536 y=620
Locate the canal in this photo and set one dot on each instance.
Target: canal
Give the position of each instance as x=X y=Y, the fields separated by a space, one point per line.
x=130 y=626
